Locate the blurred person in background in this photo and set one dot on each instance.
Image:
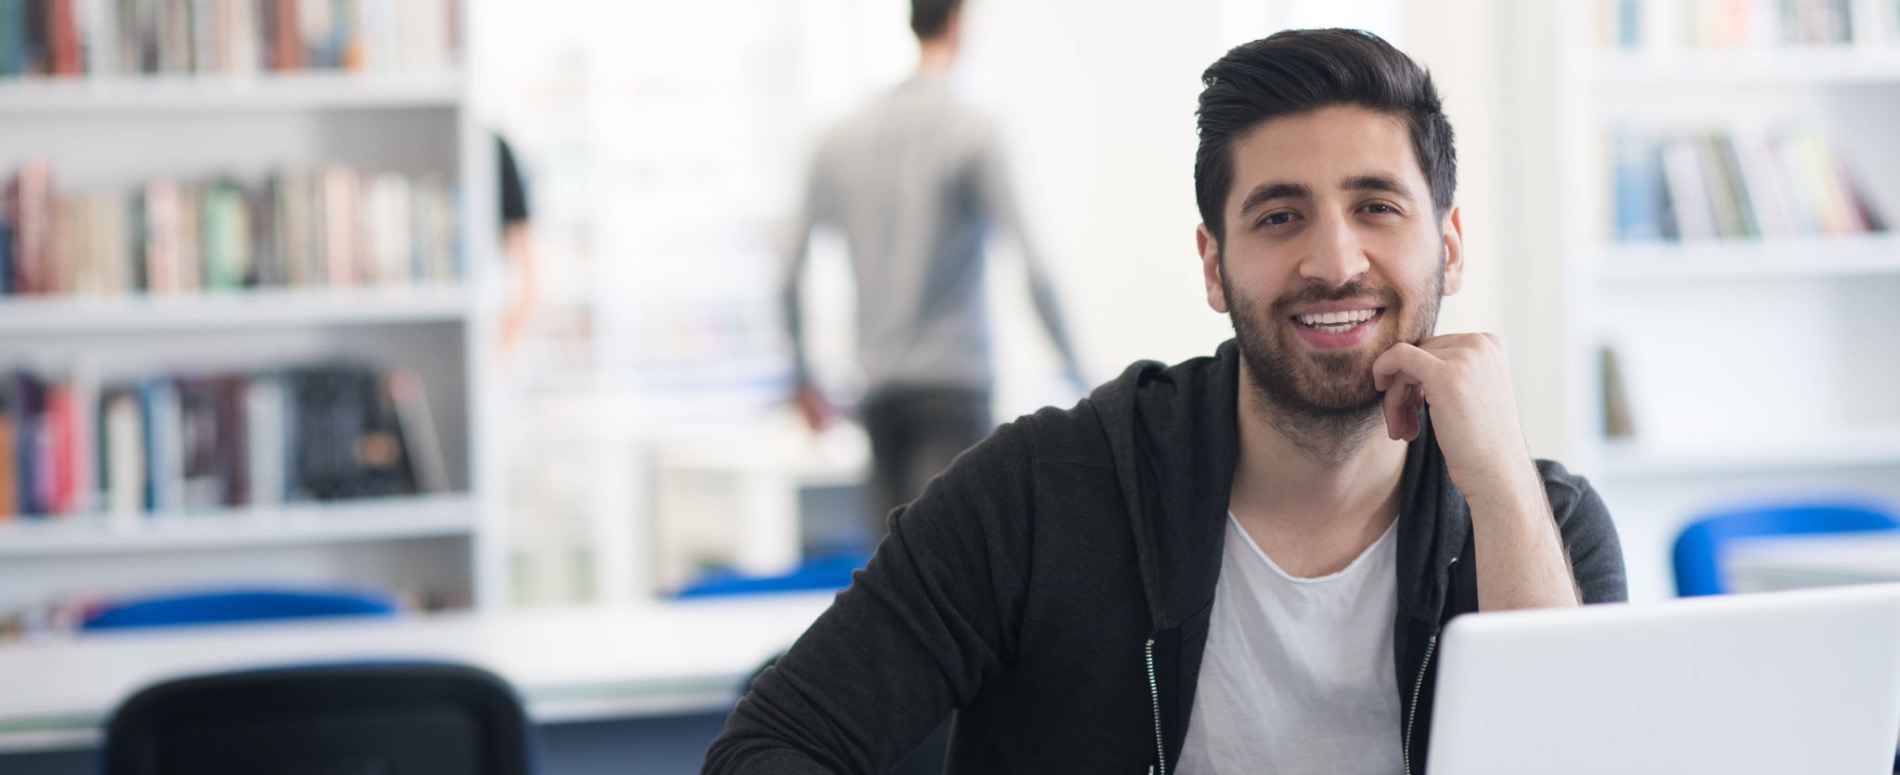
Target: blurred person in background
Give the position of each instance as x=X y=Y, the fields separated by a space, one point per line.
x=916 y=181
x=517 y=246
x=1240 y=563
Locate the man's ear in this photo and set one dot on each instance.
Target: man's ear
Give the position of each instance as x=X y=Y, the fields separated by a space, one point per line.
x=1454 y=235
x=1209 y=248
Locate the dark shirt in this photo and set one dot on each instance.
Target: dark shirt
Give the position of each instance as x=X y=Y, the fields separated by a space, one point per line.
x=514 y=196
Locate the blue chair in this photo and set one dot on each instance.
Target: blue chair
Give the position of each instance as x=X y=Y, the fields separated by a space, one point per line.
x=832 y=572
x=239 y=605
x=1698 y=550
x=413 y=718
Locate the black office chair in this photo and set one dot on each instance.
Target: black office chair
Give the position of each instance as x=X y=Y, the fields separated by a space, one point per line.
x=361 y=719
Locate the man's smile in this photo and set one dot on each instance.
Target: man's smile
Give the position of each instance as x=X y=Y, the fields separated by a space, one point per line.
x=1337 y=322
x=1345 y=325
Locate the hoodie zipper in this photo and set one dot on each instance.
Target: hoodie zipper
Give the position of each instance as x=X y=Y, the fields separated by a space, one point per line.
x=1418 y=686
x=1154 y=693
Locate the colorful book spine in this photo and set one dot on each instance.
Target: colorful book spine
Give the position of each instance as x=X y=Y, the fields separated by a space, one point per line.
x=12 y=38
x=224 y=37
x=267 y=437
x=31 y=195
x=6 y=250
x=190 y=444
x=123 y=468
x=1638 y=184
x=164 y=445
x=337 y=226
x=59 y=487
x=1744 y=184
x=27 y=398
x=1739 y=24
x=9 y=459
x=227 y=237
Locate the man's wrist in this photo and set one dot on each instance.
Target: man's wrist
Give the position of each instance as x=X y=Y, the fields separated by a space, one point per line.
x=1511 y=488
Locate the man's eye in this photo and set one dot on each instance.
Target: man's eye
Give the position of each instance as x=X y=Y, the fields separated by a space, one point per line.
x=1276 y=219
x=1378 y=209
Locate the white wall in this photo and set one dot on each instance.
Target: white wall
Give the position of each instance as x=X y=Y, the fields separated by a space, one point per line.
x=1097 y=100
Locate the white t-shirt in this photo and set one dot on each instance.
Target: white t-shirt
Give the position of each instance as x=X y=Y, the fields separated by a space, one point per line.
x=1297 y=677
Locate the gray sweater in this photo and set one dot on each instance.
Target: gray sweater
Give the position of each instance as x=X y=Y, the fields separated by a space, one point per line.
x=1056 y=584
x=916 y=181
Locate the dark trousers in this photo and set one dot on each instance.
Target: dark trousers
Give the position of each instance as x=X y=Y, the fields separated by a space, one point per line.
x=915 y=433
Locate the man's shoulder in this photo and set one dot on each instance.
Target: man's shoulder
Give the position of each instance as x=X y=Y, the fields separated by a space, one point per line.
x=1572 y=498
x=1054 y=436
x=1589 y=534
x=1559 y=480
x=1176 y=406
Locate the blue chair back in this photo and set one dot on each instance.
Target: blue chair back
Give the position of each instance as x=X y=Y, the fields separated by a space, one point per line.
x=833 y=572
x=1698 y=550
x=239 y=605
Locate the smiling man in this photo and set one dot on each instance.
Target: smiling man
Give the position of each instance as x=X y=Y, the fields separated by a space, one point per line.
x=1241 y=563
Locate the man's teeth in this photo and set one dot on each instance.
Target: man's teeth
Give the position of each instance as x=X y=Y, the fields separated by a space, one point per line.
x=1338 y=322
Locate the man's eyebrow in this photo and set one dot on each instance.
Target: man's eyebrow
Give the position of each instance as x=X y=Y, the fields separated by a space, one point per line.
x=1375 y=182
x=1267 y=192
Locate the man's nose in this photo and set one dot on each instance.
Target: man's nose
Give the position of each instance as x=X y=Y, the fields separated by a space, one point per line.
x=1335 y=256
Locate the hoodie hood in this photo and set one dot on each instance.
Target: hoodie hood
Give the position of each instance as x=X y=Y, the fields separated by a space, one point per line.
x=1173 y=437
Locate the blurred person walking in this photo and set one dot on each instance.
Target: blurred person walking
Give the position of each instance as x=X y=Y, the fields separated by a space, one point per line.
x=517 y=244
x=916 y=180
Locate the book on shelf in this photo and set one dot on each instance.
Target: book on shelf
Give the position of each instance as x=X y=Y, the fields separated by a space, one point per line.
x=6 y=247
x=417 y=423
x=1717 y=25
x=333 y=226
x=1740 y=184
x=163 y=439
x=225 y=37
x=1617 y=420
x=122 y=470
x=192 y=443
x=266 y=442
x=9 y=459
x=1641 y=210
x=29 y=216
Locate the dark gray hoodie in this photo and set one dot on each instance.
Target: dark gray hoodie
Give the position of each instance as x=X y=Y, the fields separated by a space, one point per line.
x=1054 y=588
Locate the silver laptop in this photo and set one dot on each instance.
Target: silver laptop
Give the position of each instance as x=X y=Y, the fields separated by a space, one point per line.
x=1775 y=684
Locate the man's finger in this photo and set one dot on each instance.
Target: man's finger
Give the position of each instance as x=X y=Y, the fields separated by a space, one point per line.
x=1414 y=404
x=1402 y=359
x=1400 y=422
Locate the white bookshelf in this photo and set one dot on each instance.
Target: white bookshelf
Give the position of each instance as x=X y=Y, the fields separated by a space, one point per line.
x=115 y=132
x=1755 y=370
x=67 y=96
x=1875 y=255
x=258 y=307
x=385 y=519
x=1773 y=67
x=1872 y=448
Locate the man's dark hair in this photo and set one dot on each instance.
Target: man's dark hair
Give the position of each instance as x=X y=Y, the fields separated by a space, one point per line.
x=1295 y=72
x=929 y=18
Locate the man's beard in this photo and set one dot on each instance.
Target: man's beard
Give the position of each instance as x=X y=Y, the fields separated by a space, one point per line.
x=1326 y=403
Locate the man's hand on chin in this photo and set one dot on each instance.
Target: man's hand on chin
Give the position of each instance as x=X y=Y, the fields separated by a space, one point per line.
x=1466 y=380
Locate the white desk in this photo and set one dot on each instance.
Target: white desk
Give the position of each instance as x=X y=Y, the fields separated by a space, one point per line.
x=1792 y=562
x=650 y=660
